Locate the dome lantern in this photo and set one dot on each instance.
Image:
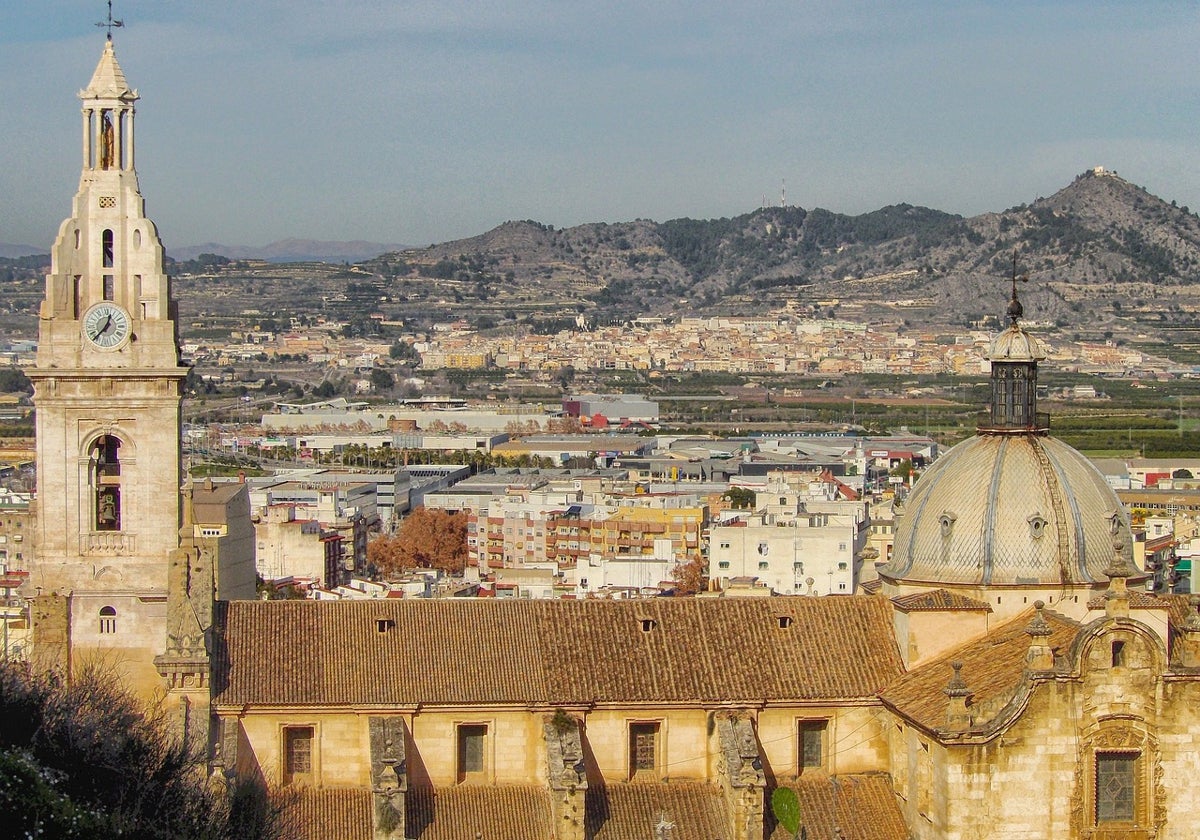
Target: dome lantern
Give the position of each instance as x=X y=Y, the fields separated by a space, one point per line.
x=1014 y=356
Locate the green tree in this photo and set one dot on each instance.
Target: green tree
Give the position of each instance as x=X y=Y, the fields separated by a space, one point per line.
x=740 y=497
x=381 y=380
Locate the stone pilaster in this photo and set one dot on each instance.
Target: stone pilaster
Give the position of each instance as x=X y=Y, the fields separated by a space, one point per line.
x=567 y=774
x=740 y=774
x=1187 y=642
x=50 y=617
x=389 y=777
x=185 y=664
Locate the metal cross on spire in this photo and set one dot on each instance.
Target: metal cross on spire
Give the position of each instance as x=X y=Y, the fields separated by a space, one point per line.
x=1015 y=310
x=110 y=24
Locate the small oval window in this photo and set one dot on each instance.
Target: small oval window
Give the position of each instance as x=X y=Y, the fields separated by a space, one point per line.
x=137 y=238
x=1037 y=526
x=946 y=520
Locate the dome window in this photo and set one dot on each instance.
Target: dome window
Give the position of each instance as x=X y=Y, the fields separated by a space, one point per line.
x=1114 y=522
x=1037 y=526
x=946 y=520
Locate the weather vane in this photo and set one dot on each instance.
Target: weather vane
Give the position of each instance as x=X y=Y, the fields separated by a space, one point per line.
x=110 y=24
x=1015 y=310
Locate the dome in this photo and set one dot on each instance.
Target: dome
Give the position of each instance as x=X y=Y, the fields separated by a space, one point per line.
x=1016 y=345
x=1008 y=510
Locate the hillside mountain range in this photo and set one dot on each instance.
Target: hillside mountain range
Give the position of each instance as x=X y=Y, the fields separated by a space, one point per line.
x=1101 y=253
x=9 y=251
x=1100 y=244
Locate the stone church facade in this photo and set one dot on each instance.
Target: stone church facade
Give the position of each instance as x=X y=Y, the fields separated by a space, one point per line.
x=1004 y=681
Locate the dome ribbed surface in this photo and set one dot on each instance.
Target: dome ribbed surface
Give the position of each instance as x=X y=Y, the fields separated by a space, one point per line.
x=1008 y=510
x=1016 y=345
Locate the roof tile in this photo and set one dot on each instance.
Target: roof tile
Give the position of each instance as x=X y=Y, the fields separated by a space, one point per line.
x=464 y=652
x=860 y=806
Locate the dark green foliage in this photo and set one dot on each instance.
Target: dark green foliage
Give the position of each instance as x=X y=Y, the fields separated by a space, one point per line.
x=381 y=380
x=13 y=379
x=403 y=351
x=785 y=805
x=740 y=497
x=84 y=761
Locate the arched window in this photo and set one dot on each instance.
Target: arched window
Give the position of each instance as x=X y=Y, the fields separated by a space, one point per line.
x=106 y=482
x=108 y=620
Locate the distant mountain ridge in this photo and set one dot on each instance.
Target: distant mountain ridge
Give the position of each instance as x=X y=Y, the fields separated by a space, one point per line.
x=13 y=252
x=290 y=250
x=1099 y=244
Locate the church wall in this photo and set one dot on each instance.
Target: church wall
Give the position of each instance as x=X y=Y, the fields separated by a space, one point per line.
x=1019 y=786
x=933 y=632
x=341 y=754
x=681 y=750
x=138 y=636
x=1036 y=779
x=854 y=739
x=1177 y=730
x=513 y=746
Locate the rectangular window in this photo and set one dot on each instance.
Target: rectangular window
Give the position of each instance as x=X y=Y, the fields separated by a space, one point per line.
x=812 y=745
x=297 y=754
x=471 y=741
x=643 y=745
x=1115 y=785
x=109 y=290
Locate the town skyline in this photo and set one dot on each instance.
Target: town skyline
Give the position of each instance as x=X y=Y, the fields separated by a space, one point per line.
x=416 y=124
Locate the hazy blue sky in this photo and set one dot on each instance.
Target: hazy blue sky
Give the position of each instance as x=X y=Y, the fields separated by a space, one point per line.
x=418 y=122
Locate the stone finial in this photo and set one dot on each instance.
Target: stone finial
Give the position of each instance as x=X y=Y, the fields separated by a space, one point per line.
x=1038 y=626
x=1040 y=656
x=1119 y=570
x=958 y=717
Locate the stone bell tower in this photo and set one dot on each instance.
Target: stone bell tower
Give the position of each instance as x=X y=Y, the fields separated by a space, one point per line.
x=107 y=392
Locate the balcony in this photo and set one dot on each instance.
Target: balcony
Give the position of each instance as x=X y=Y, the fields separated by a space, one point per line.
x=107 y=543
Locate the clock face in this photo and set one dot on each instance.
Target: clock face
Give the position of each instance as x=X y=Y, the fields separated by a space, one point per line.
x=106 y=325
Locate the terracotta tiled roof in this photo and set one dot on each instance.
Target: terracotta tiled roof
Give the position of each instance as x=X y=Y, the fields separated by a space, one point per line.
x=463 y=652
x=871 y=587
x=632 y=810
x=1179 y=607
x=938 y=600
x=863 y=806
x=505 y=812
x=320 y=813
x=1137 y=601
x=992 y=669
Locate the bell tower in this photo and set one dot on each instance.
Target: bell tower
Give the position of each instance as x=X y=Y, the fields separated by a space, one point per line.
x=107 y=392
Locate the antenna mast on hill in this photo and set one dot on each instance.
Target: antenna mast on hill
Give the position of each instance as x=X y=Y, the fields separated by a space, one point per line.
x=110 y=24
x=783 y=192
